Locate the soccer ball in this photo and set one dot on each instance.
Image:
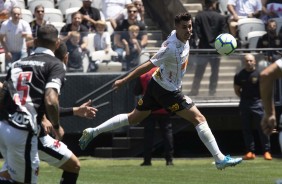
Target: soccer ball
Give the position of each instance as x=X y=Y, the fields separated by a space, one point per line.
x=225 y=44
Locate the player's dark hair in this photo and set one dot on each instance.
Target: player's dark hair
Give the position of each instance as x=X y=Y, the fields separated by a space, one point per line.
x=61 y=51
x=47 y=35
x=182 y=17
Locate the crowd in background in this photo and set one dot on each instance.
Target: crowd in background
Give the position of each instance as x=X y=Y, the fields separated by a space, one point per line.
x=118 y=29
x=111 y=23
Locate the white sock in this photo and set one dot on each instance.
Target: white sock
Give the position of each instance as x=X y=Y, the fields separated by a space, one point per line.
x=112 y=124
x=208 y=139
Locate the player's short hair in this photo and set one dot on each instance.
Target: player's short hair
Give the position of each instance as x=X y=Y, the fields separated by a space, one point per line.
x=61 y=51
x=47 y=33
x=182 y=17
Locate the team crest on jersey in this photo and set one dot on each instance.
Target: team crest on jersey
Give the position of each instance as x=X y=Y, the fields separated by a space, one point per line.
x=254 y=80
x=140 y=101
x=174 y=107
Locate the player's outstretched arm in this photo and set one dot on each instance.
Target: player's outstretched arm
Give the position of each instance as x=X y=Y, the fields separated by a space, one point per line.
x=85 y=110
x=145 y=67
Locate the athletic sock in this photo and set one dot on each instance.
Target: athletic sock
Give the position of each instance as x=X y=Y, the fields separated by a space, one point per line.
x=208 y=139
x=69 y=178
x=112 y=124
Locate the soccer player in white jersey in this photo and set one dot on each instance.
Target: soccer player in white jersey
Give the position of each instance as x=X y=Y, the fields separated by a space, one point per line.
x=267 y=78
x=164 y=91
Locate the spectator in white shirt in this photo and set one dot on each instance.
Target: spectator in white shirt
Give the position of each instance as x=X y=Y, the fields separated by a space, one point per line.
x=242 y=9
x=14 y=33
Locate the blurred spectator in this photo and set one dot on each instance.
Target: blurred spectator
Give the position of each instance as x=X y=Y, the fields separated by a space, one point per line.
x=76 y=54
x=75 y=25
x=102 y=39
x=36 y=24
x=90 y=15
x=132 y=47
x=13 y=36
x=162 y=117
x=271 y=9
x=112 y=8
x=242 y=9
x=5 y=8
x=140 y=15
x=246 y=87
x=208 y=25
x=122 y=29
x=271 y=40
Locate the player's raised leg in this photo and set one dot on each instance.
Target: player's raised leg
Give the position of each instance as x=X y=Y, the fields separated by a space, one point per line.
x=199 y=121
x=112 y=124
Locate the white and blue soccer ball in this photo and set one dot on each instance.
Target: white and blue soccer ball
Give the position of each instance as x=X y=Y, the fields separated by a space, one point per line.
x=225 y=44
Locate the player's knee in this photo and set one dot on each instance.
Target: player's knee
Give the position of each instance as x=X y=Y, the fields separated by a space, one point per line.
x=72 y=165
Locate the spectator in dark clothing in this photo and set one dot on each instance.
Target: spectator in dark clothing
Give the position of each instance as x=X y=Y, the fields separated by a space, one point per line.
x=208 y=25
x=89 y=14
x=271 y=40
x=75 y=25
x=161 y=117
x=122 y=29
x=132 y=47
x=246 y=87
x=76 y=54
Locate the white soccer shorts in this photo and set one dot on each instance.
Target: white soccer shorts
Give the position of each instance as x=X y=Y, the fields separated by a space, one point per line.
x=19 y=150
x=52 y=151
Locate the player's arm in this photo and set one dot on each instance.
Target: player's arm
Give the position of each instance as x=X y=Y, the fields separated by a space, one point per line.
x=267 y=78
x=85 y=111
x=145 y=67
x=51 y=101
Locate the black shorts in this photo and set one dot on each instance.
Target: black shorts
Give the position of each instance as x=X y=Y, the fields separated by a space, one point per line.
x=156 y=97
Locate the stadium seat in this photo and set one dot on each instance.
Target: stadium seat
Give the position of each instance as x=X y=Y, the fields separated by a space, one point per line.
x=253 y=38
x=223 y=7
x=247 y=25
x=53 y=15
x=45 y=3
x=105 y=63
x=27 y=15
x=69 y=12
x=21 y=4
x=58 y=25
x=63 y=5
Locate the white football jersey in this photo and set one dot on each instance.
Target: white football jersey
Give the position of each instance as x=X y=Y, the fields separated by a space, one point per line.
x=172 y=60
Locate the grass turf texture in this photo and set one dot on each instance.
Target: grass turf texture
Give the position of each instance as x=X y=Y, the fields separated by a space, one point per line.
x=191 y=171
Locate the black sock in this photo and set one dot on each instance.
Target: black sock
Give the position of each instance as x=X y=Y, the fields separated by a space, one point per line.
x=68 y=178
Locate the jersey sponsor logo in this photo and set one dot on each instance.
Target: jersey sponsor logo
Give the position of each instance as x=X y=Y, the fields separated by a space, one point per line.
x=174 y=107
x=20 y=118
x=30 y=63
